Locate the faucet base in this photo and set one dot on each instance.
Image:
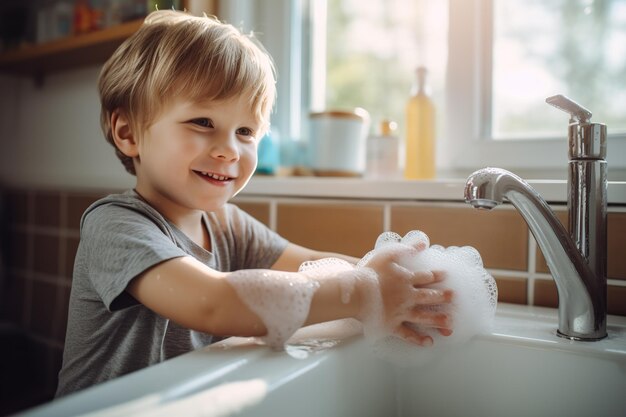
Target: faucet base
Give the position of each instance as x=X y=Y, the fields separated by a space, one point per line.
x=579 y=339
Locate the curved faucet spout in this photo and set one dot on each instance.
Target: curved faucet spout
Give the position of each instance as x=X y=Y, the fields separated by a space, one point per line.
x=582 y=294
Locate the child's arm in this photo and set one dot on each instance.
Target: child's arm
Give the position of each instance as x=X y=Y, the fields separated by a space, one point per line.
x=198 y=297
x=294 y=255
x=195 y=296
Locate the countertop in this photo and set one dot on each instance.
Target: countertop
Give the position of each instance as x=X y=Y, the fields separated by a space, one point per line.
x=553 y=191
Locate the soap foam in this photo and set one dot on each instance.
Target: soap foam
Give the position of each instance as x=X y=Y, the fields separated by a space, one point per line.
x=329 y=267
x=372 y=317
x=280 y=299
x=472 y=308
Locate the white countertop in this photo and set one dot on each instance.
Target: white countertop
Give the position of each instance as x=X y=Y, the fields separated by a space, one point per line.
x=553 y=191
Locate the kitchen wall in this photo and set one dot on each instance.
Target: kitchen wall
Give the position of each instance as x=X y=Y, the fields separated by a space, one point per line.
x=50 y=135
x=50 y=142
x=54 y=161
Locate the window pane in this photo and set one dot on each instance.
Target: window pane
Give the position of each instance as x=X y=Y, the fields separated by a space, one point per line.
x=373 y=48
x=546 y=47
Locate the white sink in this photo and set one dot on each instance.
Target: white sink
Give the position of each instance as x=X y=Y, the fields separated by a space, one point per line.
x=521 y=369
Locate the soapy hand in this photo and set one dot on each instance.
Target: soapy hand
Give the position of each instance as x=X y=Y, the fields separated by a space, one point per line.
x=405 y=298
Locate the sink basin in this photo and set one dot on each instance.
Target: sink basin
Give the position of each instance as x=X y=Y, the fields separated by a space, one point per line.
x=520 y=369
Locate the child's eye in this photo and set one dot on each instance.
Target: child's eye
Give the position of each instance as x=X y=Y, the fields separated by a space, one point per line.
x=202 y=121
x=244 y=131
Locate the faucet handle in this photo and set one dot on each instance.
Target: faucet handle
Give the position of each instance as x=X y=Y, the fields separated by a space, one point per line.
x=587 y=141
x=577 y=112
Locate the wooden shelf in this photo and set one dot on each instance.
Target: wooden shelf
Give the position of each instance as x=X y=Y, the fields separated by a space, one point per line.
x=67 y=53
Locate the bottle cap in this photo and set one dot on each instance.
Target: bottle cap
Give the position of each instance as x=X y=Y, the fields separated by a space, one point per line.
x=387 y=127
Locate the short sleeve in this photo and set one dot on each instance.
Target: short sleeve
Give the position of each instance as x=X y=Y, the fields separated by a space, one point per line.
x=250 y=243
x=118 y=244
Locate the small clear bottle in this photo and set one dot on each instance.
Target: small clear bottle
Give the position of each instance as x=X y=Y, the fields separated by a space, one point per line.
x=383 y=161
x=420 y=130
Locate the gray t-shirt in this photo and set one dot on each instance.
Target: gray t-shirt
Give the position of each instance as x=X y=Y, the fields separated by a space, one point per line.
x=109 y=333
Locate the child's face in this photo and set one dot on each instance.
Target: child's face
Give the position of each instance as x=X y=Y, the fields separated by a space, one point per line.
x=197 y=156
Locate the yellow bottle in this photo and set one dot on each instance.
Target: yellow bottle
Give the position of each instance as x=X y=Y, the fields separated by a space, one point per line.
x=420 y=131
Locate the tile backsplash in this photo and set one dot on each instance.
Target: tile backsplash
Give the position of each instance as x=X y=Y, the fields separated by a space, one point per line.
x=348 y=228
x=507 y=247
x=501 y=236
x=40 y=234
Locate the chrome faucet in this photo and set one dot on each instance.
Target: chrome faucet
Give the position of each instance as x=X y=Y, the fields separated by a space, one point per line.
x=577 y=260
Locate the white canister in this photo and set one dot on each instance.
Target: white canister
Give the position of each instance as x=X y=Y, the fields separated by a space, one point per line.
x=337 y=142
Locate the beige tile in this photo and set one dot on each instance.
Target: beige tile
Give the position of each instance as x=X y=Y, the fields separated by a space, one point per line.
x=43 y=371
x=500 y=235
x=77 y=203
x=260 y=211
x=13 y=298
x=46 y=254
x=349 y=229
x=541 y=265
x=546 y=294
x=37 y=370
x=43 y=303
x=17 y=249
x=512 y=290
x=16 y=207
x=47 y=208
x=616 y=241
x=616 y=300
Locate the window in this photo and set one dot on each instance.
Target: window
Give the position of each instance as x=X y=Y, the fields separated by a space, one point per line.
x=492 y=64
x=477 y=67
x=372 y=51
x=573 y=47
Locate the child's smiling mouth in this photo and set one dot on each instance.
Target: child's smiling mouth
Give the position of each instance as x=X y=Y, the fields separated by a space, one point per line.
x=213 y=177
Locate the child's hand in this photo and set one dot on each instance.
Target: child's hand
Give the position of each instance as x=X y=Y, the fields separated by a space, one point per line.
x=405 y=297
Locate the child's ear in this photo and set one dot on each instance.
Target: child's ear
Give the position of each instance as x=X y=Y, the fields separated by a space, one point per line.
x=123 y=135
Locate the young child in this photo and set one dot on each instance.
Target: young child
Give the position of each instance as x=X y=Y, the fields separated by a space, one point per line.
x=185 y=101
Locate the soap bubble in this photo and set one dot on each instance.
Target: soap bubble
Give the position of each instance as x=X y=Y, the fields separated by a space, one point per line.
x=282 y=300
x=473 y=306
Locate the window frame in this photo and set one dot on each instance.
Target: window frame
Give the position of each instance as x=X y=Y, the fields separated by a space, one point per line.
x=468 y=143
x=285 y=40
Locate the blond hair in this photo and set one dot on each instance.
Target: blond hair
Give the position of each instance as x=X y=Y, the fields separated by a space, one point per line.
x=174 y=54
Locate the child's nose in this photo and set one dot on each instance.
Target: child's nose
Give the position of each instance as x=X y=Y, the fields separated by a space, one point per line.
x=225 y=148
